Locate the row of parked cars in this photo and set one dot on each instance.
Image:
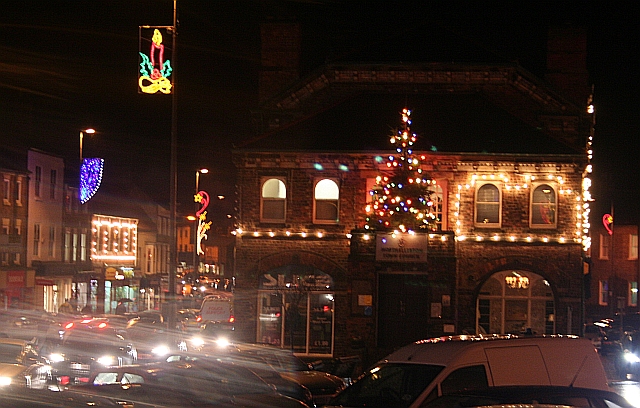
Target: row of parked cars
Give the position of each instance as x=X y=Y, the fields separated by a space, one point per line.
x=618 y=339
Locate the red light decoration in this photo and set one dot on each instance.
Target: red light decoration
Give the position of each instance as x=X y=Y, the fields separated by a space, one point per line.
x=203 y=198
x=607 y=221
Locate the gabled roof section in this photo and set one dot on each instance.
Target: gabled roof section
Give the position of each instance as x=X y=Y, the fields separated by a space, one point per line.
x=507 y=86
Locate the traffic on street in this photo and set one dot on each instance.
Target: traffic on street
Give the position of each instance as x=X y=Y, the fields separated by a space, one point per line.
x=136 y=360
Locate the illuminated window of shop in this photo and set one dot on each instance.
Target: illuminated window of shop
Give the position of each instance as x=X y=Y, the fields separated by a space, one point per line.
x=633 y=246
x=633 y=293
x=296 y=317
x=603 y=293
x=515 y=301
x=488 y=209
x=543 y=207
x=325 y=203
x=605 y=242
x=273 y=200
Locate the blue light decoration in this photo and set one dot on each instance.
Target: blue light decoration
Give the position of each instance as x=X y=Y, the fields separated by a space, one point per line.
x=90 y=178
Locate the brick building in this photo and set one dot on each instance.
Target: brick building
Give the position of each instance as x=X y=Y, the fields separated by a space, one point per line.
x=507 y=253
x=614 y=272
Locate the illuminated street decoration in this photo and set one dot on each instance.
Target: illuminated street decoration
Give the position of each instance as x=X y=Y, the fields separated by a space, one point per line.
x=516 y=282
x=203 y=198
x=154 y=70
x=90 y=178
x=114 y=238
x=402 y=200
x=607 y=221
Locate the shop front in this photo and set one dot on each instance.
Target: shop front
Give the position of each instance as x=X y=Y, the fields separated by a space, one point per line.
x=296 y=310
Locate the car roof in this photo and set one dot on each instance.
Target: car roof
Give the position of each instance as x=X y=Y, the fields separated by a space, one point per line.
x=17 y=342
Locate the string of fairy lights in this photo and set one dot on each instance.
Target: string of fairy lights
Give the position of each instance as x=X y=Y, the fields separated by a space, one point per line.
x=518 y=178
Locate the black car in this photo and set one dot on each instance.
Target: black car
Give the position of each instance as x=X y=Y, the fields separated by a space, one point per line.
x=193 y=382
x=88 y=345
x=511 y=395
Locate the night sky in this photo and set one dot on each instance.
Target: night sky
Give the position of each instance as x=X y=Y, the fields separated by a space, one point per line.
x=66 y=65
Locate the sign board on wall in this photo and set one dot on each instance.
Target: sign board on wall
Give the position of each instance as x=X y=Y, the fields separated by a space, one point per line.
x=401 y=247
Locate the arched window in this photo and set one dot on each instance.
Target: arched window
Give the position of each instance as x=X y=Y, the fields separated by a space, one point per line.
x=543 y=207
x=273 y=200
x=488 y=206
x=326 y=195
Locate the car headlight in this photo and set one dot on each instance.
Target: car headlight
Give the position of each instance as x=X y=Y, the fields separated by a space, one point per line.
x=5 y=381
x=222 y=342
x=161 y=350
x=106 y=360
x=197 y=342
x=630 y=357
x=56 y=357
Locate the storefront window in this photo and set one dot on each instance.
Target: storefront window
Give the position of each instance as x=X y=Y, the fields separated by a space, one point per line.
x=296 y=311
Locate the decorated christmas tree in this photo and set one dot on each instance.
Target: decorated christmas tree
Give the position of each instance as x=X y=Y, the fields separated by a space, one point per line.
x=401 y=199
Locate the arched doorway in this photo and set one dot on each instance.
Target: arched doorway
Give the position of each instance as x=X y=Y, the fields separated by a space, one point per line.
x=515 y=301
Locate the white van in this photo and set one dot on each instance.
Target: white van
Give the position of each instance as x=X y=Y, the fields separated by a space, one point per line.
x=216 y=315
x=422 y=371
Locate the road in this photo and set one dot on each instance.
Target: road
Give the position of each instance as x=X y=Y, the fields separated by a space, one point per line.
x=628 y=388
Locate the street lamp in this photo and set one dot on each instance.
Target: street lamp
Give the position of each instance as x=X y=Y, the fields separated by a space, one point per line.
x=82 y=132
x=195 y=232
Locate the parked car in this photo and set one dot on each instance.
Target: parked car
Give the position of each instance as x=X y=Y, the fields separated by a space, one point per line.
x=595 y=334
x=323 y=386
x=554 y=396
x=87 y=345
x=427 y=369
x=187 y=383
x=21 y=366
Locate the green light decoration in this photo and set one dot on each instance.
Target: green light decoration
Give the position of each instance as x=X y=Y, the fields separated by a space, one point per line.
x=401 y=199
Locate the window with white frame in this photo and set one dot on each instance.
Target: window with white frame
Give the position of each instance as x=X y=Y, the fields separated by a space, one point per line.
x=38 y=181
x=633 y=293
x=439 y=206
x=17 y=226
x=543 y=207
x=6 y=191
x=6 y=226
x=488 y=203
x=273 y=200
x=36 y=239
x=605 y=243
x=633 y=246
x=18 y=197
x=52 y=240
x=53 y=184
x=603 y=293
x=325 y=204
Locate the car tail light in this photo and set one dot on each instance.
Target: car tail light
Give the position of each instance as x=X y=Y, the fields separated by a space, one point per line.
x=68 y=325
x=64 y=380
x=232 y=319
x=102 y=325
x=198 y=318
x=83 y=379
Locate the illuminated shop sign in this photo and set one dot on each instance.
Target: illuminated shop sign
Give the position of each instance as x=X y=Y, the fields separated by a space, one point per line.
x=391 y=247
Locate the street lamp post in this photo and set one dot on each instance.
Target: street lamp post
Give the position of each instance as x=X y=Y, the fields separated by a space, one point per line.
x=195 y=232
x=82 y=132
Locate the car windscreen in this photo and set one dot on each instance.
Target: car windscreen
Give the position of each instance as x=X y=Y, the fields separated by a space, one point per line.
x=388 y=385
x=92 y=341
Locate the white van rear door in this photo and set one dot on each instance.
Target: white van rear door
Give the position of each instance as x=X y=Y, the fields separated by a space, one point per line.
x=521 y=365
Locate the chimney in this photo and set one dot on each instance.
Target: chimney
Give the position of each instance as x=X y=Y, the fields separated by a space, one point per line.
x=567 y=63
x=280 y=57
